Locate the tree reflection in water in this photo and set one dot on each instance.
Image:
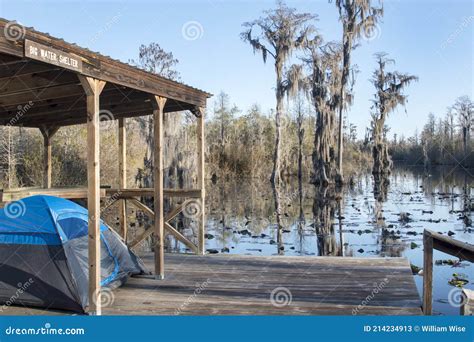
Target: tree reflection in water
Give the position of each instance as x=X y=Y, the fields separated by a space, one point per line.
x=325 y=204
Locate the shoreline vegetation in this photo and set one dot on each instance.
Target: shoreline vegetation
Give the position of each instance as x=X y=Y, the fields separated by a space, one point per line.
x=309 y=133
x=240 y=146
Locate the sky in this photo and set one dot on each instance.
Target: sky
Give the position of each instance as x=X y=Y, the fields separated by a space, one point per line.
x=432 y=39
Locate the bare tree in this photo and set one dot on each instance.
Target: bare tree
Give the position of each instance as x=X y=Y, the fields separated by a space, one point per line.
x=464 y=110
x=299 y=118
x=153 y=58
x=224 y=114
x=357 y=17
x=277 y=34
x=389 y=87
x=9 y=155
x=450 y=125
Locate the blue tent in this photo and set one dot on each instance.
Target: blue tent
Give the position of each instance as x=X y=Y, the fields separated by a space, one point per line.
x=44 y=254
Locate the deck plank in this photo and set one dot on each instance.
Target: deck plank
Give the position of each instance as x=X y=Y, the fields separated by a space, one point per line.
x=242 y=285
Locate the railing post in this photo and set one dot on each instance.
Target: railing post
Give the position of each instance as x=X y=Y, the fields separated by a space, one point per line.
x=467 y=305
x=123 y=175
x=427 y=273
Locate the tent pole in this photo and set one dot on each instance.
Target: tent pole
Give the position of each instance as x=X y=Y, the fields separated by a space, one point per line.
x=122 y=139
x=93 y=88
x=158 y=107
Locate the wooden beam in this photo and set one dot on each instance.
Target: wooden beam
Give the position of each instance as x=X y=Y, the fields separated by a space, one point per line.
x=180 y=237
x=43 y=94
x=112 y=99
x=93 y=88
x=122 y=158
x=159 y=105
x=47 y=154
x=168 y=228
x=39 y=80
x=73 y=115
x=108 y=203
x=143 y=192
x=78 y=101
x=25 y=67
x=171 y=215
x=201 y=179
x=459 y=249
x=427 y=273
x=467 y=307
x=9 y=195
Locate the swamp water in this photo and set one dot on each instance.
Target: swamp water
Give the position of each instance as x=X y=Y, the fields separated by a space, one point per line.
x=241 y=220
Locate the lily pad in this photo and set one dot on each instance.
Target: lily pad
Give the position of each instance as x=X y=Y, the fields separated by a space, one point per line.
x=459 y=280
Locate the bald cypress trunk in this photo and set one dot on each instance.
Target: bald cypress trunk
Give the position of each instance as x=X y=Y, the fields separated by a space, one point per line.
x=324 y=158
x=276 y=176
x=276 y=172
x=325 y=94
x=382 y=162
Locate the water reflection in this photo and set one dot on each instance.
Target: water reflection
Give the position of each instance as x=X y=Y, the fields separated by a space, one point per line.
x=325 y=204
x=364 y=219
x=368 y=218
x=277 y=193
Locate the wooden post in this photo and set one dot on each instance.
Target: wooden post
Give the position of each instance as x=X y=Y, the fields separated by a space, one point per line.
x=93 y=88
x=158 y=106
x=467 y=307
x=201 y=140
x=427 y=273
x=47 y=153
x=122 y=176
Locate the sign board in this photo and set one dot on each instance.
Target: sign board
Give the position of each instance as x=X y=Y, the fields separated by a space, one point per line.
x=50 y=55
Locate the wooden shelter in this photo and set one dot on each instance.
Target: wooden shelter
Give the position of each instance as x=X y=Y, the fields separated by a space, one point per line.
x=48 y=83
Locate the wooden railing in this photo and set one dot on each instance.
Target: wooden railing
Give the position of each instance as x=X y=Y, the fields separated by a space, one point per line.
x=132 y=195
x=168 y=227
x=433 y=240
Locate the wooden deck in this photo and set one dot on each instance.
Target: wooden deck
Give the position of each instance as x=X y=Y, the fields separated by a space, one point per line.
x=243 y=285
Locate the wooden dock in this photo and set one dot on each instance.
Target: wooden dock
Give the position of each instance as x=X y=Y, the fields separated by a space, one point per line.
x=275 y=285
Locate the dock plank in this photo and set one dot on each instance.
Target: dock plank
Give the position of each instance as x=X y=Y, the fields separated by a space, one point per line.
x=243 y=285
